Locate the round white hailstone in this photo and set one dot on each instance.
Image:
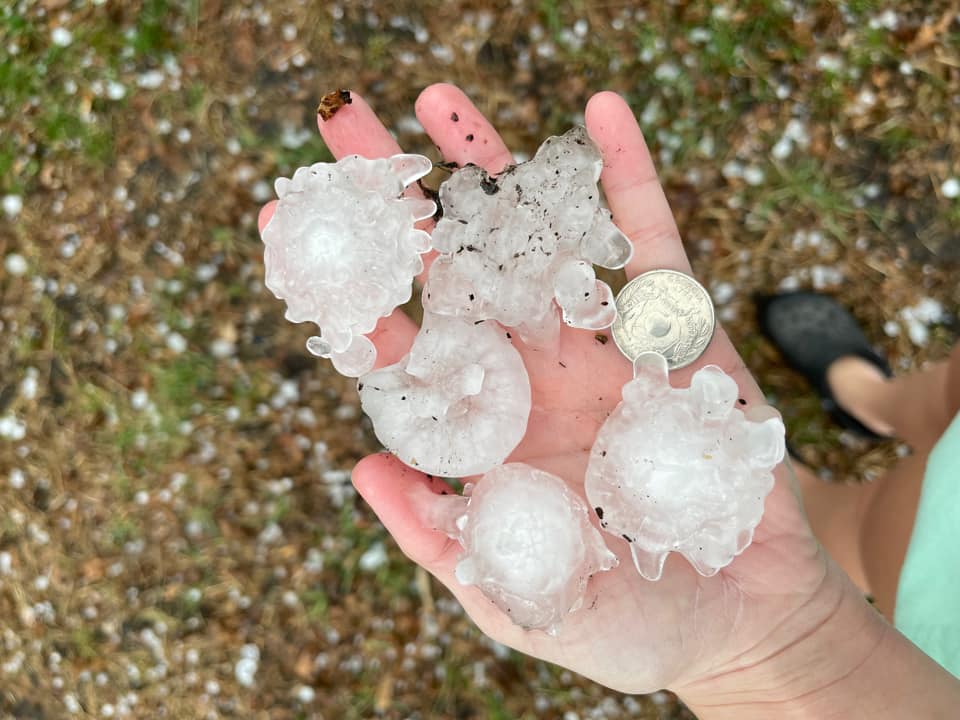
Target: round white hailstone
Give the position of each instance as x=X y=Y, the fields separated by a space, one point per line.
x=754 y=175
x=529 y=545
x=683 y=470
x=513 y=244
x=950 y=188
x=176 y=342
x=782 y=149
x=246 y=667
x=305 y=694
x=457 y=404
x=115 y=90
x=17 y=478
x=342 y=250
x=16 y=264
x=374 y=558
x=61 y=37
x=12 y=205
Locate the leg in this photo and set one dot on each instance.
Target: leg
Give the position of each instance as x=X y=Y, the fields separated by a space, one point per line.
x=885 y=529
x=888 y=523
x=866 y=527
x=915 y=408
x=836 y=512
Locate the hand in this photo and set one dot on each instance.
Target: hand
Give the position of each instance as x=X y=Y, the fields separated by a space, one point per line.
x=685 y=632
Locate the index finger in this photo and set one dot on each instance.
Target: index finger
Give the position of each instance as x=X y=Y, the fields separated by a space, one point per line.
x=459 y=129
x=634 y=194
x=354 y=129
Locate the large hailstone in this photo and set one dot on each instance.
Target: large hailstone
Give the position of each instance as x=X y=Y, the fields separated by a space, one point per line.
x=682 y=470
x=528 y=543
x=342 y=250
x=513 y=244
x=457 y=404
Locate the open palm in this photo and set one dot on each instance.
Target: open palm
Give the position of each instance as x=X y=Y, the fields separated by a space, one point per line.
x=632 y=635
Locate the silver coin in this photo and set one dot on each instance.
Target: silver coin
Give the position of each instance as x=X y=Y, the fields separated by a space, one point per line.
x=667 y=312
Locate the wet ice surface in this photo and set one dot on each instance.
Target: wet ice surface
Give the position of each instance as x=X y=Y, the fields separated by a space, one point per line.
x=456 y=404
x=683 y=470
x=513 y=244
x=342 y=250
x=528 y=544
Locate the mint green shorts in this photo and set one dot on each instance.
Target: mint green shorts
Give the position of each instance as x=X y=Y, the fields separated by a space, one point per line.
x=928 y=595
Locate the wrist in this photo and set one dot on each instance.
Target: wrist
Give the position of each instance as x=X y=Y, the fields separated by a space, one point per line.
x=845 y=662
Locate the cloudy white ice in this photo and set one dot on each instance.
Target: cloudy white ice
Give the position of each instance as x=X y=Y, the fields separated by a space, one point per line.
x=683 y=470
x=457 y=404
x=528 y=544
x=513 y=245
x=342 y=250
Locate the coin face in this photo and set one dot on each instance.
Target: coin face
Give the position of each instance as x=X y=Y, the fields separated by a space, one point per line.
x=667 y=312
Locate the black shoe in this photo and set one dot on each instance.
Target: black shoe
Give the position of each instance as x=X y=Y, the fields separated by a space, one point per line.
x=811 y=331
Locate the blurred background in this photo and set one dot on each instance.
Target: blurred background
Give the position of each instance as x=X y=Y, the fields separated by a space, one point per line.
x=178 y=535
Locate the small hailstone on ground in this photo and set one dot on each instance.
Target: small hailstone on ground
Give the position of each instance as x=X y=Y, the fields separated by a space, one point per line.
x=11 y=428
x=151 y=80
x=513 y=245
x=176 y=342
x=754 y=175
x=683 y=470
x=221 y=348
x=12 y=205
x=341 y=249
x=528 y=544
x=139 y=399
x=17 y=478
x=61 y=37
x=919 y=317
x=115 y=90
x=15 y=264
x=305 y=694
x=29 y=384
x=374 y=558
x=457 y=404
x=723 y=292
x=951 y=188
x=246 y=667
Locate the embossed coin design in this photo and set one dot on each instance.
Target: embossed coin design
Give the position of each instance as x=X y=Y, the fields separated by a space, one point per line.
x=667 y=312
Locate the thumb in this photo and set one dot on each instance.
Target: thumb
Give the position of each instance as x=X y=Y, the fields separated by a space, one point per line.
x=414 y=508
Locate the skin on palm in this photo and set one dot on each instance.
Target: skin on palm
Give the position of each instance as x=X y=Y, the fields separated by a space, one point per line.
x=631 y=635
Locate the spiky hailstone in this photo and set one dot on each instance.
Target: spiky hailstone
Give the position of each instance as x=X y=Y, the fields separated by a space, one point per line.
x=514 y=244
x=683 y=470
x=342 y=250
x=457 y=404
x=528 y=543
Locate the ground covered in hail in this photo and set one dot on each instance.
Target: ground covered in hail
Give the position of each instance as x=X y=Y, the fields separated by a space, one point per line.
x=178 y=533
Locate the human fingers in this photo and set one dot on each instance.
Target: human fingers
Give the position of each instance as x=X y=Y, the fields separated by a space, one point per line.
x=640 y=209
x=461 y=131
x=355 y=129
x=408 y=503
x=629 y=179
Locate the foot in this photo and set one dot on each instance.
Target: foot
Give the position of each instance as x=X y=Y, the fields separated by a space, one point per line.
x=860 y=388
x=816 y=336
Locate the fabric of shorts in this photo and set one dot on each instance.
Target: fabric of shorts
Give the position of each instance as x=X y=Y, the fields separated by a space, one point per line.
x=927 y=608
